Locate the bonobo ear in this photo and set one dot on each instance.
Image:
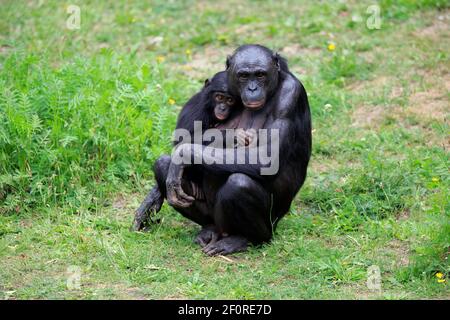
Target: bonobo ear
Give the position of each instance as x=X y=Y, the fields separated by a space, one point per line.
x=276 y=59
x=207 y=82
x=228 y=62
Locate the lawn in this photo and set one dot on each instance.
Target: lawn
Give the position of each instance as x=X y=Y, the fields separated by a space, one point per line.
x=85 y=111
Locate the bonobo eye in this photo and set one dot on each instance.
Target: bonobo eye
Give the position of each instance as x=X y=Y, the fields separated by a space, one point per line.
x=260 y=74
x=243 y=75
x=219 y=97
x=230 y=101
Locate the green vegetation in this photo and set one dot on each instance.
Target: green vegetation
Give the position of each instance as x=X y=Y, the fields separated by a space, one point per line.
x=84 y=113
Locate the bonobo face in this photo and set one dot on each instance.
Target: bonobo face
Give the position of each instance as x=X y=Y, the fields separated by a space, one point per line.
x=253 y=74
x=223 y=105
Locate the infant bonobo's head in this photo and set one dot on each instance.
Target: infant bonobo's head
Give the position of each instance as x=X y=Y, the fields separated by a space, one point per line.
x=221 y=102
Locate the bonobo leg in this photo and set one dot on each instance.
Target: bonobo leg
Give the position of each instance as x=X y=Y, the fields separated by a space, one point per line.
x=242 y=210
x=151 y=205
x=155 y=198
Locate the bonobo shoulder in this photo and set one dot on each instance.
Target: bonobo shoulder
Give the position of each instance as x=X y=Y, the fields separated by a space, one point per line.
x=290 y=82
x=288 y=94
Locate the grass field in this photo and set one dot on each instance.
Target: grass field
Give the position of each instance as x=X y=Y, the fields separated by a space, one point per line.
x=85 y=112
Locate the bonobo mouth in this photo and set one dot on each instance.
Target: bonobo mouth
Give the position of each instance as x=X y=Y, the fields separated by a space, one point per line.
x=221 y=116
x=254 y=104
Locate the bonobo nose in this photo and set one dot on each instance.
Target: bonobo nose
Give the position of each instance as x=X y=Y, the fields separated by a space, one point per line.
x=252 y=89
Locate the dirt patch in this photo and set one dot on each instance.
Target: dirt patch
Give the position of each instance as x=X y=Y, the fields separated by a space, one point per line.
x=124 y=205
x=5 y=49
x=121 y=291
x=404 y=215
x=368 y=116
x=26 y=223
x=325 y=165
x=222 y=6
x=401 y=250
x=361 y=292
x=123 y=201
x=437 y=29
x=206 y=62
x=431 y=104
x=376 y=83
x=296 y=50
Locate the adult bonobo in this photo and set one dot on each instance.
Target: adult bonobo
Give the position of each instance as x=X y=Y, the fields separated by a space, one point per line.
x=242 y=204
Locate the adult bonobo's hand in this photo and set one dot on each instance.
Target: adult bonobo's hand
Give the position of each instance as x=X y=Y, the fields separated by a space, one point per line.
x=175 y=194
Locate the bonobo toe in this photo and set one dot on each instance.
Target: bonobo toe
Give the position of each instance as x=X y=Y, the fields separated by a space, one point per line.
x=226 y=246
x=206 y=236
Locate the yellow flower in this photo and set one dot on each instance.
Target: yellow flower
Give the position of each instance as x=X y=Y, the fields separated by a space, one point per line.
x=439 y=275
x=441 y=280
x=435 y=179
x=188 y=52
x=160 y=59
x=171 y=101
x=331 y=47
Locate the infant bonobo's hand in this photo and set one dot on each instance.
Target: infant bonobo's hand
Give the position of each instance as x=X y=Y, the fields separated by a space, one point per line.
x=245 y=137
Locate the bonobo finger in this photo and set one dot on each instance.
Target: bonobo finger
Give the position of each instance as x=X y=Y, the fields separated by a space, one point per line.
x=178 y=200
x=184 y=196
x=174 y=201
x=177 y=197
x=180 y=203
x=209 y=248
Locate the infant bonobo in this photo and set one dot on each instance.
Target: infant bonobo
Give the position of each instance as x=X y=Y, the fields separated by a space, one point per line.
x=213 y=106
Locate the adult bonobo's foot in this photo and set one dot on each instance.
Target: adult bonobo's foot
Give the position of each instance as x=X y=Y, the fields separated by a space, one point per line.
x=206 y=236
x=226 y=246
x=151 y=205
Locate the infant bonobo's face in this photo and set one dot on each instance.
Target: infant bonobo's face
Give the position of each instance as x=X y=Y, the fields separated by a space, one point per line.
x=223 y=105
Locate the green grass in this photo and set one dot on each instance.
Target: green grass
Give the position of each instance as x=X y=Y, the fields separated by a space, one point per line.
x=84 y=113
